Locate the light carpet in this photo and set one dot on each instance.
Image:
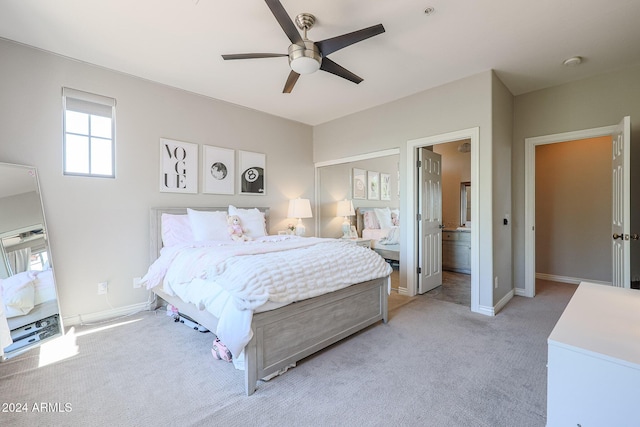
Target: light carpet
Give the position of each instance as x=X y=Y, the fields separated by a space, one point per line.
x=434 y=364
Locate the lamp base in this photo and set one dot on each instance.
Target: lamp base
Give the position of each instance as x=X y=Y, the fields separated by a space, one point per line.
x=300 y=228
x=346 y=230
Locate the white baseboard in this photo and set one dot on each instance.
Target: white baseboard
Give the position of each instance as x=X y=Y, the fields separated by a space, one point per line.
x=570 y=280
x=521 y=292
x=101 y=316
x=505 y=299
x=491 y=311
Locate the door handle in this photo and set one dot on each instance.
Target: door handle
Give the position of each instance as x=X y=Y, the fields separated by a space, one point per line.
x=635 y=236
x=617 y=236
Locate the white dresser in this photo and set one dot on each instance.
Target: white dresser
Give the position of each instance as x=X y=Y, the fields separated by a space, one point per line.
x=593 y=376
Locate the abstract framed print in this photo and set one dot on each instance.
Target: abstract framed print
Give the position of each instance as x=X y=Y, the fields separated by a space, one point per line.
x=218 y=170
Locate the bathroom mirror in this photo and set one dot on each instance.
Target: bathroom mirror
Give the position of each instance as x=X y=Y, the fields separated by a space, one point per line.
x=29 y=314
x=465 y=204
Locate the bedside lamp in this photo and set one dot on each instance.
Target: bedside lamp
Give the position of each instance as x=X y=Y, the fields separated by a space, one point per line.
x=345 y=209
x=299 y=208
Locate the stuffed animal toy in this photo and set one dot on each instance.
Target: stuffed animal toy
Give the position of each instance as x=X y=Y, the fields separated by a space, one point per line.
x=235 y=229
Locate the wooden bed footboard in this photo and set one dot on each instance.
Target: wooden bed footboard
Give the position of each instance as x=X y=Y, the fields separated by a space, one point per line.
x=291 y=333
x=288 y=334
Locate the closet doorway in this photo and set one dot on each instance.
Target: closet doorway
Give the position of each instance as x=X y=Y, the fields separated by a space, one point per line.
x=615 y=133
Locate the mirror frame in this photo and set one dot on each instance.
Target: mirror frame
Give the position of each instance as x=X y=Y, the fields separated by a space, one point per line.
x=44 y=328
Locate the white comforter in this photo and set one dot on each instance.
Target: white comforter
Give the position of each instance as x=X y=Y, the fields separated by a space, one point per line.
x=231 y=280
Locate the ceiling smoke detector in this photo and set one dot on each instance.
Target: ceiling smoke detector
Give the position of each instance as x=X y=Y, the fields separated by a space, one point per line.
x=573 y=61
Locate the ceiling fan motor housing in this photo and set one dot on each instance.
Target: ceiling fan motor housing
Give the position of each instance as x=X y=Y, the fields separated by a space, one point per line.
x=305 y=60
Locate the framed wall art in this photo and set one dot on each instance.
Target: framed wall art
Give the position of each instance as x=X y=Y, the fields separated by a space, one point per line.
x=252 y=168
x=218 y=170
x=359 y=184
x=178 y=166
x=373 y=185
x=385 y=186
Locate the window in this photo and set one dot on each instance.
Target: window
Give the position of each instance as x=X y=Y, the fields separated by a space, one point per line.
x=89 y=134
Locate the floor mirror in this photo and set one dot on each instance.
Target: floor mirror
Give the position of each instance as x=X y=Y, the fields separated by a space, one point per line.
x=29 y=313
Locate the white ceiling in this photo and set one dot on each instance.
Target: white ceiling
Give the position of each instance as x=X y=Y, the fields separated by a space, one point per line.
x=179 y=43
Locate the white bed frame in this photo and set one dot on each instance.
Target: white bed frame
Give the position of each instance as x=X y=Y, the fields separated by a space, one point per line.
x=288 y=334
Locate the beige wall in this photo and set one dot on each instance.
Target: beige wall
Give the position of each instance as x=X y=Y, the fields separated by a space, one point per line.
x=463 y=104
x=99 y=227
x=595 y=102
x=573 y=209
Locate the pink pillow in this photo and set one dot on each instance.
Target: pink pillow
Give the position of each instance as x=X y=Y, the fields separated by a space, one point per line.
x=370 y=220
x=176 y=229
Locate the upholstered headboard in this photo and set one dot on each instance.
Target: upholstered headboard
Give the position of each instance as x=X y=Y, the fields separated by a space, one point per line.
x=155 y=224
x=360 y=219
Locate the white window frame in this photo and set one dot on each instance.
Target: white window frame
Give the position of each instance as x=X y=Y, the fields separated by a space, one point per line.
x=92 y=104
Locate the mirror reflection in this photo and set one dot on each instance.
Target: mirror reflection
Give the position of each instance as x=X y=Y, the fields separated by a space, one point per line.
x=29 y=313
x=465 y=204
x=360 y=200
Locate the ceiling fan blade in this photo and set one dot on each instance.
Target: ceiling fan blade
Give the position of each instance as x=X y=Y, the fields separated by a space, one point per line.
x=328 y=46
x=252 y=55
x=285 y=21
x=291 y=82
x=333 y=68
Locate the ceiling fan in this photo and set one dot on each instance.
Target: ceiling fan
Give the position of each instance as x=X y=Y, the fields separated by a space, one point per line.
x=307 y=56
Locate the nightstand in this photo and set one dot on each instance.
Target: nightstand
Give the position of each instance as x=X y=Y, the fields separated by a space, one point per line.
x=360 y=242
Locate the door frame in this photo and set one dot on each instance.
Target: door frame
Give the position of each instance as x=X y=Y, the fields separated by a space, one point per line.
x=530 y=195
x=410 y=205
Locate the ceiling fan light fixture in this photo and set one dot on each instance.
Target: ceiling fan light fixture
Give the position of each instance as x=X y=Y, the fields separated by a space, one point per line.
x=305 y=60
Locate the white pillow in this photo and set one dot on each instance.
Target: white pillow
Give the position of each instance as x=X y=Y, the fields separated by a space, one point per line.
x=44 y=286
x=16 y=282
x=176 y=229
x=252 y=221
x=384 y=217
x=209 y=225
x=20 y=302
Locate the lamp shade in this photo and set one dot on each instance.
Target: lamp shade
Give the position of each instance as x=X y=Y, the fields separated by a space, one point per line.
x=299 y=208
x=345 y=208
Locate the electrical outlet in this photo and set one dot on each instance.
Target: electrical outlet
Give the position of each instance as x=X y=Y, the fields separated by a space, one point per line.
x=495 y=284
x=137 y=282
x=102 y=288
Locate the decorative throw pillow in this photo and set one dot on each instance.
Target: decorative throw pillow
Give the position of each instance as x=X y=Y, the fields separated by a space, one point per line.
x=395 y=217
x=206 y=225
x=176 y=229
x=384 y=217
x=252 y=221
x=370 y=220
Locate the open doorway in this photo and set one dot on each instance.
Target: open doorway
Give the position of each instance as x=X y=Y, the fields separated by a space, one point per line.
x=573 y=189
x=412 y=260
x=456 y=222
x=620 y=142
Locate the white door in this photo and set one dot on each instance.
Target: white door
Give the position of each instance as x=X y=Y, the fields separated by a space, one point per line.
x=621 y=200
x=430 y=224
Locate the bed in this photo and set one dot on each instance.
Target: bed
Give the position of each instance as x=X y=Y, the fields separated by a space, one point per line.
x=382 y=227
x=27 y=297
x=281 y=332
